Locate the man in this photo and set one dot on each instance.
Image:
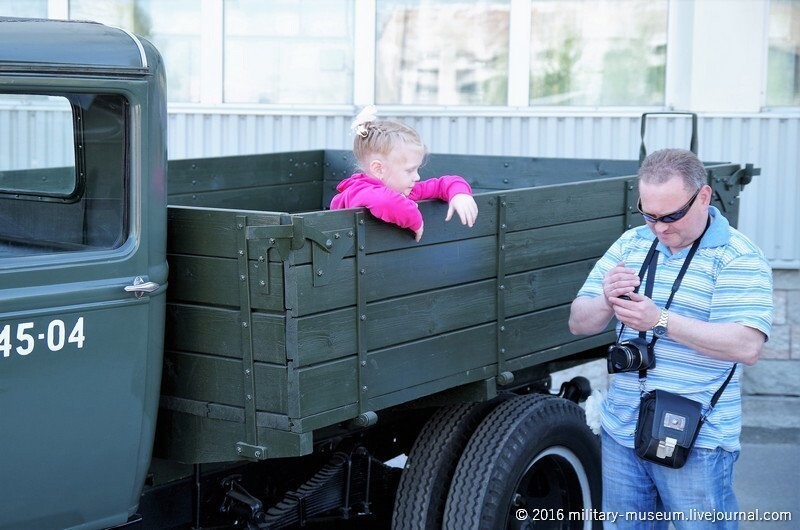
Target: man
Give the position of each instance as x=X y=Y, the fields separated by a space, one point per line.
x=721 y=314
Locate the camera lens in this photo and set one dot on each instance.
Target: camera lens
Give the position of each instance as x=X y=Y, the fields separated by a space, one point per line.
x=621 y=358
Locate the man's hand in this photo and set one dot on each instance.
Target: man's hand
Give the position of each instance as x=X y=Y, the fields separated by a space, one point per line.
x=639 y=312
x=466 y=208
x=619 y=281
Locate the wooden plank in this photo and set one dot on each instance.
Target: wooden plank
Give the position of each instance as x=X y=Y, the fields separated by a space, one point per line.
x=565 y=203
x=217 y=331
x=210 y=232
x=215 y=281
x=411 y=393
x=542 y=247
x=218 y=379
x=397 y=273
x=295 y=197
x=324 y=419
x=547 y=287
x=243 y=171
x=559 y=352
x=326 y=386
x=202 y=378
x=322 y=337
x=416 y=363
x=514 y=172
x=537 y=331
x=198 y=440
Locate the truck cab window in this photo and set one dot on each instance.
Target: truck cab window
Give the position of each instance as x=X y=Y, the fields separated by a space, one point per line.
x=63 y=171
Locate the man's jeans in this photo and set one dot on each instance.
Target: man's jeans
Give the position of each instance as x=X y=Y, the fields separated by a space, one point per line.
x=646 y=495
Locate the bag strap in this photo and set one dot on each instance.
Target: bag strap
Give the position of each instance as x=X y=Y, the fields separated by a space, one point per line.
x=714 y=400
x=718 y=393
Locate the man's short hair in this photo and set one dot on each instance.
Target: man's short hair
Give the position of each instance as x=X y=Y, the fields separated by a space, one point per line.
x=665 y=164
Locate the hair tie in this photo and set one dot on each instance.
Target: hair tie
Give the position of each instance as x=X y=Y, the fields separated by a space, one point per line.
x=359 y=124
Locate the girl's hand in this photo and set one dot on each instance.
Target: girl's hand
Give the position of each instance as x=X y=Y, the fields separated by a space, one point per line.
x=418 y=233
x=466 y=208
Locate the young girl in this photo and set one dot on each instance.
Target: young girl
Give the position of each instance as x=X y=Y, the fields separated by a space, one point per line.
x=390 y=154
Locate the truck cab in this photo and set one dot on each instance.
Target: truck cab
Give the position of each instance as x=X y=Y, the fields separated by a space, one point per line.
x=82 y=270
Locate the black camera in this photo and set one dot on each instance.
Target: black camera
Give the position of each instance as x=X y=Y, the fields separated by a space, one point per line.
x=630 y=356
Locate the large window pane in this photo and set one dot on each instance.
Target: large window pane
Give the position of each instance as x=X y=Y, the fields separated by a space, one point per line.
x=172 y=26
x=609 y=52
x=46 y=205
x=23 y=8
x=442 y=52
x=783 y=75
x=288 y=51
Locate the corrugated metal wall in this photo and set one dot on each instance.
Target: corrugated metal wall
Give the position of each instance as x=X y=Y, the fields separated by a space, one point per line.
x=770 y=211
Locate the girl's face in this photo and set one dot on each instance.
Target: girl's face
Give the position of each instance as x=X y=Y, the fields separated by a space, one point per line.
x=400 y=169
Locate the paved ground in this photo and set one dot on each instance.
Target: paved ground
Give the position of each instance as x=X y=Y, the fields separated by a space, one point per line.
x=766 y=477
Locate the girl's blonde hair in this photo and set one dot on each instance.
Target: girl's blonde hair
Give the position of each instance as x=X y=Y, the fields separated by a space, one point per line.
x=374 y=136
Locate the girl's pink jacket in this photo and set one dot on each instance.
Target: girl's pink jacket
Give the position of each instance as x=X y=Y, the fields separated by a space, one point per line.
x=391 y=206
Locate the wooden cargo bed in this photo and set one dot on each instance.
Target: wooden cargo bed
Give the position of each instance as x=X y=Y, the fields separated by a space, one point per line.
x=285 y=318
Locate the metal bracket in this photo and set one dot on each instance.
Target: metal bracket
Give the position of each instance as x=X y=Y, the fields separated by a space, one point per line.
x=330 y=246
x=631 y=203
x=246 y=323
x=361 y=311
x=727 y=187
x=253 y=452
x=284 y=238
x=501 y=288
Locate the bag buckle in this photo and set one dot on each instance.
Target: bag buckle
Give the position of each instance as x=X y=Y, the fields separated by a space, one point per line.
x=674 y=421
x=666 y=447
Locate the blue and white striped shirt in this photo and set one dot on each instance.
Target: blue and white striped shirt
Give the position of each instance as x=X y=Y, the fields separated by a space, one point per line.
x=728 y=280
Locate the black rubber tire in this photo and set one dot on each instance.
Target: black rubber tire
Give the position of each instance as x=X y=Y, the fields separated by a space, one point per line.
x=422 y=492
x=533 y=452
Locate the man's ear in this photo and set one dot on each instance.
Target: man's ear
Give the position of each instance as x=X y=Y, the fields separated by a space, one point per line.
x=706 y=193
x=376 y=168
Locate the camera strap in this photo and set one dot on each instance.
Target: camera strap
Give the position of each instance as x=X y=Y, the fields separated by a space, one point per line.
x=650 y=263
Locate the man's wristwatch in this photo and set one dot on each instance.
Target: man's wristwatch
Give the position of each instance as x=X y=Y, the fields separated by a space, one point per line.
x=660 y=329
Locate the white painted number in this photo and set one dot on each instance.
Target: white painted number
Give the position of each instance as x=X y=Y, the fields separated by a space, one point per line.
x=76 y=336
x=55 y=335
x=27 y=336
x=5 y=341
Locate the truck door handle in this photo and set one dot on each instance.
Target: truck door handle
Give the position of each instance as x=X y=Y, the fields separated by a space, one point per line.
x=140 y=287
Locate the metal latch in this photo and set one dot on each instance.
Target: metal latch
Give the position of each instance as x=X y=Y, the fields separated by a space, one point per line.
x=666 y=447
x=140 y=287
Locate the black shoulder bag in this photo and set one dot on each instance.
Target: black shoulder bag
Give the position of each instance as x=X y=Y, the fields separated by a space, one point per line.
x=668 y=423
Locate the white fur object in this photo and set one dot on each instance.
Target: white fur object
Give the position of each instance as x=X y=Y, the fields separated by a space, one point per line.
x=359 y=123
x=593 y=404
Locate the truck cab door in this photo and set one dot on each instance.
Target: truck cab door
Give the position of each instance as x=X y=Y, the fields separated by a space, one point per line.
x=82 y=296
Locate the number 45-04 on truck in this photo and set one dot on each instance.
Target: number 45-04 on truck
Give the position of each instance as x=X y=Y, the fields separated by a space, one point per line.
x=200 y=343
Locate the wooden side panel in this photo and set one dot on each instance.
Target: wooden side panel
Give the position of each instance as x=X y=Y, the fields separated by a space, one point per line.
x=217 y=331
x=429 y=320
x=278 y=181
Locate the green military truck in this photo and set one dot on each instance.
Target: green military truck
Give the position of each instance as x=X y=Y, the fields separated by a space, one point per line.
x=201 y=344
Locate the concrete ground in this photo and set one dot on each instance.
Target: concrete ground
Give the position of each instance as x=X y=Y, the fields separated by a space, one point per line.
x=766 y=475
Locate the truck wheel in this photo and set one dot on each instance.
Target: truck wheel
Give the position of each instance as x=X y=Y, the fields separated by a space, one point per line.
x=533 y=461
x=422 y=491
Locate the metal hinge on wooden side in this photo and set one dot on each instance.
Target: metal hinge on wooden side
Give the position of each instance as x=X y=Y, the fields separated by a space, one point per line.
x=283 y=238
x=727 y=187
x=329 y=247
x=632 y=214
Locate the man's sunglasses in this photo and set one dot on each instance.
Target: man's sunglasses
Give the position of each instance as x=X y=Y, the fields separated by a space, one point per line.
x=677 y=215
